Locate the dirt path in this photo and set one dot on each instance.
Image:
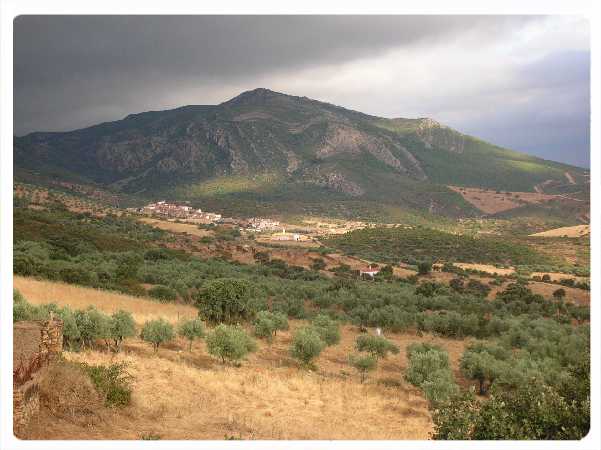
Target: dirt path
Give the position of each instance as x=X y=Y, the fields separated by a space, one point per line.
x=570 y=177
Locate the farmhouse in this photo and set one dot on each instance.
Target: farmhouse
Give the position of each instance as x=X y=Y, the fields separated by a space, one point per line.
x=370 y=271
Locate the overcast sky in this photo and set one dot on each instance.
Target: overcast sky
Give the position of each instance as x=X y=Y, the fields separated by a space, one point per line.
x=519 y=82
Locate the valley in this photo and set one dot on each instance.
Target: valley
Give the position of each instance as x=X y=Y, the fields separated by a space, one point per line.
x=452 y=286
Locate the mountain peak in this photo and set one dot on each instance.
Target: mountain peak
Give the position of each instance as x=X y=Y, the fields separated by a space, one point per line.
x=258 y=95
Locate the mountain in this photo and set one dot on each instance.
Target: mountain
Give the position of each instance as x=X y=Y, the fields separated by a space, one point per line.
x=267 y=146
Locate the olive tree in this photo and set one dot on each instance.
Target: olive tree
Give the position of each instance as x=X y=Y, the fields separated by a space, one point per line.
x=327 y=328
x=230 y=342
x=363 y=364
x=306 y=345
x=92 y=325
x=191 y=329
x=376 y=346
x=157 y=332
x=122 y=326
x=225 y=300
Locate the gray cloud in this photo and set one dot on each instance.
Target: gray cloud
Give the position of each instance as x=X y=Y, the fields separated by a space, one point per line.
x=74 y=71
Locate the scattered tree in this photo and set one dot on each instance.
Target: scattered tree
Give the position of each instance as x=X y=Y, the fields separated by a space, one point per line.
x=376 y=346
x=225 y=300
x=327 y=328
x=424 y=267
x=306 y=345
x=122 y=326
x=230 y=342
x=191 y=329
x=157 y=332
x=363 y=364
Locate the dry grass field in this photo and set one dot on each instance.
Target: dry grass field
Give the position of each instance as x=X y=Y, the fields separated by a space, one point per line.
x=492 y=202
x=571 y=232
x=190 y=395
x=175 y=227
x=40 y=292
x=486 y=268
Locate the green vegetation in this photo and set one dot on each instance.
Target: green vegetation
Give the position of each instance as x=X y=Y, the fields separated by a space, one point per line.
x=412 y=245
x=225 y=300
x=430 y=371
x=363 y=364
x=157 y=332
x=327 y=329
x=527 y=358
x=122 y=326
x=192 y=330
x=306 y=345
x=267 y=324
x=112 y=381
x=230 y=342
x=376 y=346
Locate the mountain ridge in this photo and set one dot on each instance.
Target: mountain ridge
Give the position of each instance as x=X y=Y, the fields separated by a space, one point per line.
x=311 y=147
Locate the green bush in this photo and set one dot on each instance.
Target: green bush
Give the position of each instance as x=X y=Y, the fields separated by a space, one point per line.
x=225 y=300
x=230 y=342
x=191 y=329
x=113 y=382
x=92 y=325
x=376 y=346
x=327 y=328
x=424 y=267
x=306 y=345
x=163 y=293
x=267 y=323
x=363 y=364
x=430 y=371
x=157 y=332
x=122 y=326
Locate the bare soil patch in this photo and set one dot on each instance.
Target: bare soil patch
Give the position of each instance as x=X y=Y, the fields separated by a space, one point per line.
x=571 y=232
x=492 y=202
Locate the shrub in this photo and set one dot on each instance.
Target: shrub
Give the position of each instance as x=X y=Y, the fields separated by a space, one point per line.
x=424 y=267
x=376 y=346
x=122 y=326
x=559 y=293
x=191 y=329
x=264 y=326
x=157 y=332
x=363 y=364
x=71 y=334
x=318 y=264
x=230 y=342
x=327 y=328
x=163 y=293
x=306 y=345
x=429 y=370
x=478 y=364
x=267 y=323
x=92 y=325
x=113 y=382
x=225 y=300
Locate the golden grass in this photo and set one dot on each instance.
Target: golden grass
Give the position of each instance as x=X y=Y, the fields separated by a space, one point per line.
x=183 y=395
x=556 y=276
x=489 y=268
x=491 y=202
x=572 y=232
x=40 y=292
x=176 y=227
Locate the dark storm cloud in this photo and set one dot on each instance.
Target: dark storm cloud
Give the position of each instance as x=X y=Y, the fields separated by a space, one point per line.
x=74 y=71
x=552 y=117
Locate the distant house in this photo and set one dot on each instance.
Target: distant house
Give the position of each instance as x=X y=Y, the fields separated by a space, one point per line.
x=370 y=271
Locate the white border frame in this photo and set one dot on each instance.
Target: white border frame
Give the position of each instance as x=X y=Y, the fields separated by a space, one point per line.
x=12 y=8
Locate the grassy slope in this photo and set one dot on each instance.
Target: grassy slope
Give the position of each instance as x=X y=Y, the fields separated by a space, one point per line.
x=397 y=244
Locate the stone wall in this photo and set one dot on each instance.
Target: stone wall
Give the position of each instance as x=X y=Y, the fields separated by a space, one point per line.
x=35 y=345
